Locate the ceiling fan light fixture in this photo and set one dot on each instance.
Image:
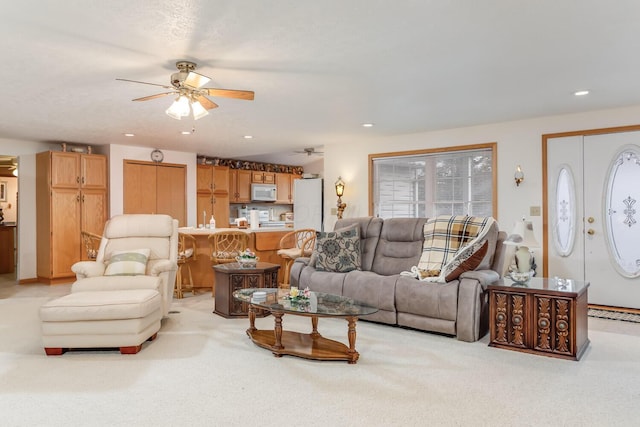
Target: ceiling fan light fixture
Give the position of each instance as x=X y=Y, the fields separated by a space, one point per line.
x=198 y=110
x=179 y=108
x=172 y=113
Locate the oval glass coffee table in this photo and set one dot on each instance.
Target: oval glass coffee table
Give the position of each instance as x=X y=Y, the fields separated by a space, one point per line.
x=312 y=345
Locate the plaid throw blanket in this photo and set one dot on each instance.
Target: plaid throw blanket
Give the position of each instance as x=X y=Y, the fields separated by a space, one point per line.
x=447 y=238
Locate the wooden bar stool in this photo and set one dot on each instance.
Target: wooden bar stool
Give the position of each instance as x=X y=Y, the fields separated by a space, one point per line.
x=186 y=255
x=91 y=244
x=296 y=244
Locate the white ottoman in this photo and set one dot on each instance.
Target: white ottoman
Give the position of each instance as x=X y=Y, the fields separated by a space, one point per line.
x=96 y=319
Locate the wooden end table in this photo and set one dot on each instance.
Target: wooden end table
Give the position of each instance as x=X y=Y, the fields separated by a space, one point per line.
x=232 y=277
x=543 y=317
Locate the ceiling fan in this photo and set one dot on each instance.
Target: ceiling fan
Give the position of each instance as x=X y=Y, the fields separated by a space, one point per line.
x=310 y=152
x=191 y=95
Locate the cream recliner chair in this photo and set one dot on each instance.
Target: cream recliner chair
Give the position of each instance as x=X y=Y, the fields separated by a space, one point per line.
x=158 y=233
x=119 y=299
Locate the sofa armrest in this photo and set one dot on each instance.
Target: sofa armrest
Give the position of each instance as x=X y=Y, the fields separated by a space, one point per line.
x=484 y=277
x=296 y=270
x=472 y=319
x=162 y=266
x=304 y=260
x=85 y=269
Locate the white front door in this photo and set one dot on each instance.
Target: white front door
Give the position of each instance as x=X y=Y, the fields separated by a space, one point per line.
x=594 y=181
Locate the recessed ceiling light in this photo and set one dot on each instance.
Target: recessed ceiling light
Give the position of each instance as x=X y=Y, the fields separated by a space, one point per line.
x=129 y=134
x=185 y=132
x=581 y=93
x=248 y=136
x=367 y=125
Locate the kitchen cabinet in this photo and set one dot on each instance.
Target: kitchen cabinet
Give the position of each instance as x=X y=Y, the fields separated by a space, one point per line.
x=239 y=186
x=213 y=179
x=212 y=196
x=259 y=177
x=7 y=248
x=154 y=188
x=284 y=184
x=71 y=196
x=213 y=204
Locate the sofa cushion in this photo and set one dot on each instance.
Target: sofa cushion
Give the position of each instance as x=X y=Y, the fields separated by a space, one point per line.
x=370 y=228
x=338 y=251
x=131 y=262
x=399 y=246
x=428 y=299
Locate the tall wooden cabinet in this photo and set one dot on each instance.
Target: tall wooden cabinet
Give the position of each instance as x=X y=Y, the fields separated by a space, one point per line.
x=71 y=196
x=213 y=194
x=155 y=188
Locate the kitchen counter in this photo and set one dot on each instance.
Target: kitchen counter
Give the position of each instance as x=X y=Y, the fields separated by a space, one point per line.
x=264 y=241
x=206 y=231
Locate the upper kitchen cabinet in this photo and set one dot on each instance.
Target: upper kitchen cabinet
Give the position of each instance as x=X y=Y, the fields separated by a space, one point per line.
x=213 y=179
x=284 y=185
x=240 y=186
x=260 y=177
x=71 y=196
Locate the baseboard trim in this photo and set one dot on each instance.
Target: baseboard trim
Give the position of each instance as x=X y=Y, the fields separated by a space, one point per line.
x=617 y=309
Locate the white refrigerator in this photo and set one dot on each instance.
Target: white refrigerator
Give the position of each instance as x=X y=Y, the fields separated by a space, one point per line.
x=308 y=205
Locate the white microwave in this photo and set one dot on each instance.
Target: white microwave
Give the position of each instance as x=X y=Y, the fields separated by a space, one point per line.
x=263 y=192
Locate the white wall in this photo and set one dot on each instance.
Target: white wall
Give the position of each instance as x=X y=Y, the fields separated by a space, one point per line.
x=118 y=153
x=519 y=142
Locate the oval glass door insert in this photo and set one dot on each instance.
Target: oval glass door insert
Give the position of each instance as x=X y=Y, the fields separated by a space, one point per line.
x=564 y=225
x=621 y=211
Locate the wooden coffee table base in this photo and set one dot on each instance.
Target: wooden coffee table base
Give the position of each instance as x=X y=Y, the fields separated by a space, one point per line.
x=310 y=346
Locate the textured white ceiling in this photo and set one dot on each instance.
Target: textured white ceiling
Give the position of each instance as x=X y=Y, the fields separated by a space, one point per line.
x=319 y=68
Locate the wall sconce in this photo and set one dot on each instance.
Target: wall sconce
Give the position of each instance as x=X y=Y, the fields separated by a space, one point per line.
x=339 y=193
x=518 y=176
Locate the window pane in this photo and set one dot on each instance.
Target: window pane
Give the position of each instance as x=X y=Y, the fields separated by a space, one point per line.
x=430 y=184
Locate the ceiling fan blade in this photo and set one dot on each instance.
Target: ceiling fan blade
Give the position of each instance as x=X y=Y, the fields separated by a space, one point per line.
x=206 y=102
x=157 y=95
x=145 y=83
x=196 y=80
x=229 y=93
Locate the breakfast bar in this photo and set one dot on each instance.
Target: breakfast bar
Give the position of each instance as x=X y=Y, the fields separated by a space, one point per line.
x=264 y=241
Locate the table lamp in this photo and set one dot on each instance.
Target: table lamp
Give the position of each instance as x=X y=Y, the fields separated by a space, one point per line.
x=522 y=237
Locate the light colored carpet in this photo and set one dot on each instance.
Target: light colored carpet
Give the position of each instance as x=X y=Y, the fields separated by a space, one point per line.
x=204 y=371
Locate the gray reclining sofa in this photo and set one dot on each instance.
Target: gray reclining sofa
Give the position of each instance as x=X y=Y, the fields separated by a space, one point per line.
x=388 y=247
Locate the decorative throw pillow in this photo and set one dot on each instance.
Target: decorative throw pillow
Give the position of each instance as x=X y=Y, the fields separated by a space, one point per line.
x=128 y=263
x=338 y=251
x=469 y=260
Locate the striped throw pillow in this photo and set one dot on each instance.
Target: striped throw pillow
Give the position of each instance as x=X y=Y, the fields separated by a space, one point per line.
x=128 y=263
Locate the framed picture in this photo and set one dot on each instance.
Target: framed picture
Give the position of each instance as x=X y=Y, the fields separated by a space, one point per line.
x=3 y=191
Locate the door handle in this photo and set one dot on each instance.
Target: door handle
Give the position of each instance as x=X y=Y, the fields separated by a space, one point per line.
x=591 y=220
x=591 y=232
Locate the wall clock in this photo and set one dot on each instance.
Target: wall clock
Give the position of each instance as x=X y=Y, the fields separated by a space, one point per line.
x=157 y=156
